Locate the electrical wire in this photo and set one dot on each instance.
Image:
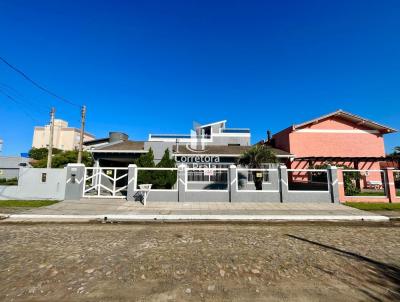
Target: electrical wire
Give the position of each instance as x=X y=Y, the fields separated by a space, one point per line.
x=20 y=97
x=20 y=106
x=24 y=75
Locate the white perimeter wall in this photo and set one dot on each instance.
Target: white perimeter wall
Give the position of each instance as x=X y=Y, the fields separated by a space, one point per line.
x=30 y=185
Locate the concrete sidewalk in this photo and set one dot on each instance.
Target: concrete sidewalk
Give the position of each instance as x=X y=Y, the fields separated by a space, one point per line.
x=117 y=209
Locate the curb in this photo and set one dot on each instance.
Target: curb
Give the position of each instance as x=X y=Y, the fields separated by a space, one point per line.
x=4 y=216
x=150 y=217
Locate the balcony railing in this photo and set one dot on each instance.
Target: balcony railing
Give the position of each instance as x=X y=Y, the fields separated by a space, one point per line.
x=179 y=136
x=235 y=130
x=169 y=135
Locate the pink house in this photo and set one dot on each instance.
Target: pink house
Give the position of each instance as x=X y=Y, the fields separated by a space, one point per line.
x=339 y=138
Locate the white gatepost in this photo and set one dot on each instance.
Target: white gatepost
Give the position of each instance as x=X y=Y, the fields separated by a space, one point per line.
x=75 y=181
x=283 y=183
x=132 y=180
x=182 y=182
x=233 y=185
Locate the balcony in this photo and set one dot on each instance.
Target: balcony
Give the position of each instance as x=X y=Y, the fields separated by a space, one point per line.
x=169 y=135
x=178 y=136
x=235 y=130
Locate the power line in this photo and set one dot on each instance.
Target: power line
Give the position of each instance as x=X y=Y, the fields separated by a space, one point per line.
x=21 y=98
x=20 y=106
x=36 y=84
x=33 y=105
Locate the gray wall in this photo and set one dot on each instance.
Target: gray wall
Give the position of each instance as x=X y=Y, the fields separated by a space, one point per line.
x=30 y=185
x=8 y=192
x=68 y=183
x=225 y=140
x=241 y=190
x=8 y=173
x=307 y=196
x=158 y=149
x=10 y=165
x=276 y=190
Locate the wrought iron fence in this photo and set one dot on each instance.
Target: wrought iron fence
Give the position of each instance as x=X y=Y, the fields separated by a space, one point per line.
x=245 y=179
x=366 y=183
x=308 y=180
x=207 y=179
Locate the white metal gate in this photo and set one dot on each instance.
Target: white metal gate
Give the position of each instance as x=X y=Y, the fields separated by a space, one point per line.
x=100 y=182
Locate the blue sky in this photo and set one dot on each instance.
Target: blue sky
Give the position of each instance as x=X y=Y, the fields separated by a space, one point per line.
x=155 y=66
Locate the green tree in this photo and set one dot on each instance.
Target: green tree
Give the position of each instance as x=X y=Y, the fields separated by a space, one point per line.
x=41 y=153
x=350 y=179
x=145 y=161
x=166 y=179
x=395 y=156
x=254 y=158
x=396 y=150
x=159 y=179
x=63 y=158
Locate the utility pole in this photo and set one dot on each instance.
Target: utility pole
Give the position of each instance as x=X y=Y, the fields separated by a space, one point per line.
x=50 y=150
x=83 y=118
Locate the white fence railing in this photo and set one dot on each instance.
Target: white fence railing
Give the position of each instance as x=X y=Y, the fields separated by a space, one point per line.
x=310 y=180
x=112 y=182
x=105 y=182
x=245 y=179
x=149 y=179
x=365 y=182
x=207 y=179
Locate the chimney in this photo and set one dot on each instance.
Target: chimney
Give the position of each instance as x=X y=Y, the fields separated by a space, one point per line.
x=117 y=136
x=268 y=136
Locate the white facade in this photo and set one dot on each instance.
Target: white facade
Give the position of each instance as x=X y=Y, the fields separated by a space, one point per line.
x=209 y=134
x=64 y=138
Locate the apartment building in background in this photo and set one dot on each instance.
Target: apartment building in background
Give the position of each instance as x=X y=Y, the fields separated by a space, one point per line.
x=64 y=138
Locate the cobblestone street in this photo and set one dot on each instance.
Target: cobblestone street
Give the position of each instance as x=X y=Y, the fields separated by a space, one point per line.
x=200 y=262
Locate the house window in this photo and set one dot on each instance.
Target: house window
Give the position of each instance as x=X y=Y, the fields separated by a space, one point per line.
x=44 y=177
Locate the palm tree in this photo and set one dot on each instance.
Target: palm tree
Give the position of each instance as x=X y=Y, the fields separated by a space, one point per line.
x=254 y=158
x=396 y=156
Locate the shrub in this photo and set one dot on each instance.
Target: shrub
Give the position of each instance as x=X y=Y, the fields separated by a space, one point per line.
x=159 y=179
x=349 y=179
x=41 y=153
x=63 y=158
x=9 y=182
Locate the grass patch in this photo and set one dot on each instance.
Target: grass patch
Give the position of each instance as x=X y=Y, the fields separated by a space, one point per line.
x=372 y=206
x=378 y=193
x=26 y=203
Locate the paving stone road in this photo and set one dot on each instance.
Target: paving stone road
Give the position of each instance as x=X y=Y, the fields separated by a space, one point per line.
x=200 y=262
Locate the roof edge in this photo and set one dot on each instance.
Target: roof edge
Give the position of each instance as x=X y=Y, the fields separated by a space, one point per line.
x=345 y=113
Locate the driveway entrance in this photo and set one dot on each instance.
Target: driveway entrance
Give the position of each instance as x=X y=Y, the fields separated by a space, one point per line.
x=102 y=182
